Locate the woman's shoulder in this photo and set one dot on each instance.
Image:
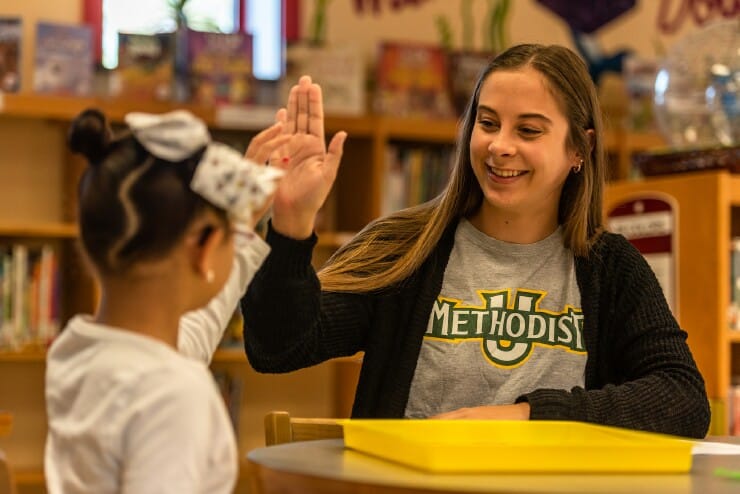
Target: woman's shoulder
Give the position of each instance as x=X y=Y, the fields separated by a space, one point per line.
x=612 y=252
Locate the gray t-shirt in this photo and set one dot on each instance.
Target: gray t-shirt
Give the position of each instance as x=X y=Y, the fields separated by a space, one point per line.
x=507 y=321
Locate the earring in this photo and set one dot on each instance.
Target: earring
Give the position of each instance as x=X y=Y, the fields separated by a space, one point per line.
x=577 y=167
x=210 y=276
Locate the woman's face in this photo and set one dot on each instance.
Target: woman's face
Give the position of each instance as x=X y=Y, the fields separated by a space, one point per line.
x=518 y=146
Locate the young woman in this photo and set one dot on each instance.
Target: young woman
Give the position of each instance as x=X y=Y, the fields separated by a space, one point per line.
x=165 y=221
x=502 y=298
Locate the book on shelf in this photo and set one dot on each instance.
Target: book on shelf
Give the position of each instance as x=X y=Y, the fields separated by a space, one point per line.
x=733 y=407
x=220 y=67
x=414 y=174
x=734 y=307
x=412 y=80
x=63 y=62
x=11 y=36
x=340 y=70
x=464 y=68
x=145 y=69
x=29 y=291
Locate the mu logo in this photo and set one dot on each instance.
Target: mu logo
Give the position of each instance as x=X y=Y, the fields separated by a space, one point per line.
x=508 y=327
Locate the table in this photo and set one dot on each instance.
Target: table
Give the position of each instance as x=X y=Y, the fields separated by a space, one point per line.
x=326 y=467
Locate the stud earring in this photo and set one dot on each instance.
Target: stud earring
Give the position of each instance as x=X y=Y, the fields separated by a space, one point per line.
x=210 y=276
x=577 y=167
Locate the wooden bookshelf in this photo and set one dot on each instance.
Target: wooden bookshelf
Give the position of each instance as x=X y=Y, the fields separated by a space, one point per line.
x=705 y=222
x=40 y=230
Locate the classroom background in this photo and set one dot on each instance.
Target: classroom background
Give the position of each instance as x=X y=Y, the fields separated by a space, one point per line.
x=673 y=191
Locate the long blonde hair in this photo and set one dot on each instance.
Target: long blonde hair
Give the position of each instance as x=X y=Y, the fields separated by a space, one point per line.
x=390 y=249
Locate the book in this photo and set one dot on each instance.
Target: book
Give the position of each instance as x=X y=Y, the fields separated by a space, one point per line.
x=63 y=62
x=734 y=307
x=145 y=67
x=11 y=34
x=464 y=69
x=220 y=67
x=412 y=80
x=339 y=70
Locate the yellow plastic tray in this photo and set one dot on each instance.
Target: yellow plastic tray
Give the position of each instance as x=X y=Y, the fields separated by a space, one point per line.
x=468 y=446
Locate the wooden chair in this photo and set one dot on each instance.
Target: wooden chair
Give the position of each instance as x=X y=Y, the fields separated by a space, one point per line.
x=7 y=484
x=280 y=428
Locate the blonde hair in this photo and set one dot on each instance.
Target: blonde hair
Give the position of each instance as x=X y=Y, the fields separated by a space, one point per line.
x=390 y=249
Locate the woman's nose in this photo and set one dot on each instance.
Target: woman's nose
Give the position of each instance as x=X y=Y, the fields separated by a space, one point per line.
x=501 y=145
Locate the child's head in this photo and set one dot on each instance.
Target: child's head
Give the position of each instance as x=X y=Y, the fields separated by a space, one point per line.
x=160 y=186
x=133 y=206
x=566 y=78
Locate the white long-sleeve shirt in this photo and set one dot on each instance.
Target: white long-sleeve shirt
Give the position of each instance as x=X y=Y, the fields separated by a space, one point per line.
x=129 y=414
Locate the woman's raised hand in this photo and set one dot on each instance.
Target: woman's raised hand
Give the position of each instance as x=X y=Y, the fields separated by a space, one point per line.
x=310 y=167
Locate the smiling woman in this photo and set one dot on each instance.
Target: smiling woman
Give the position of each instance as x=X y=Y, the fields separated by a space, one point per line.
x=502 y=298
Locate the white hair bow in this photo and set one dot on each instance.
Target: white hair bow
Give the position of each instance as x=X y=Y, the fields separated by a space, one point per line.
x=223 y=176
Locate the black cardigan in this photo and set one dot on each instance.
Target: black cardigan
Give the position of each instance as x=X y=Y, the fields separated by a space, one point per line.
x=640 y=373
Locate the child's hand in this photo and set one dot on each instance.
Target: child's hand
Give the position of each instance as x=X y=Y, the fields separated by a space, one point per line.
x=264 y=144
x=310 y=168
x=261 y=147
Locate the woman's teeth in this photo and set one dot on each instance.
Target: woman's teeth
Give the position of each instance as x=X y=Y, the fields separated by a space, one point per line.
x=505 y=173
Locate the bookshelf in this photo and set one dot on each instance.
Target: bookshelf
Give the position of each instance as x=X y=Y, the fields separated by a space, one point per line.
x=708 y=215
x=36 y=125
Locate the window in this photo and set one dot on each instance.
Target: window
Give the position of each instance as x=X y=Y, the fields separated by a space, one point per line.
x=262 y=18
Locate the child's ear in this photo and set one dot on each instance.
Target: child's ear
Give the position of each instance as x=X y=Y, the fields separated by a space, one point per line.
x=209 y=239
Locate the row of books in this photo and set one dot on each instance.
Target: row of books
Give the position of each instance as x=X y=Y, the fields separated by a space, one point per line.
x=414 y=174
x=417 y=80
x=29 y=295
x=203 y=67
x=410 y=79
x=733 y=315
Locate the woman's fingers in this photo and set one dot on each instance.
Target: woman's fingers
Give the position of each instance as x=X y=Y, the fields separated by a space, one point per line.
x=302 y=104
x=315 y=124
x=334 y=153
x=291 y=110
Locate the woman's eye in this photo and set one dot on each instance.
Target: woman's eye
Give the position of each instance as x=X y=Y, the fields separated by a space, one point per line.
x=488 y=124
x=529 y=132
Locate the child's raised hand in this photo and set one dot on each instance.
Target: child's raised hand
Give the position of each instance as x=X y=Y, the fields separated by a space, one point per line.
x=261 y=147
x=310 y=168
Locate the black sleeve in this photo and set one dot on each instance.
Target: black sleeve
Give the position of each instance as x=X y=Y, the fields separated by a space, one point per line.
x=653 y=382
x=289 y=323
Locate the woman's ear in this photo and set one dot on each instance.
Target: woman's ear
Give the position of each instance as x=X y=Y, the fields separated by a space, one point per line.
x=204 y=252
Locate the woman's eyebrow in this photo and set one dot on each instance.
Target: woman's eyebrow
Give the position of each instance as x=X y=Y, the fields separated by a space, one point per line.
x=521 y=116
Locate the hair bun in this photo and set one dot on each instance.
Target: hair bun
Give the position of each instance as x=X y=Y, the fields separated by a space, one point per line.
x=90 y=135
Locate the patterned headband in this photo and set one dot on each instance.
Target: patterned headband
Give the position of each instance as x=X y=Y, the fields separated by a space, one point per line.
x=223 y=176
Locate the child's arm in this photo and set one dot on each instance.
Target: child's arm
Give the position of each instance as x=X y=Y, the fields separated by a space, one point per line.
x=201 y=330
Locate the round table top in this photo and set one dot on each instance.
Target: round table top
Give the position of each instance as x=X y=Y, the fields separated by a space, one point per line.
x=327 y=466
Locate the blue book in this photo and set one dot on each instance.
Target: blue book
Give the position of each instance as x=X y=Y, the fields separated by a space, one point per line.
x=64 y=59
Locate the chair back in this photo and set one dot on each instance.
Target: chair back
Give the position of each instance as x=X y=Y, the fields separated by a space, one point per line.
x=7 y=483
x=280 y=428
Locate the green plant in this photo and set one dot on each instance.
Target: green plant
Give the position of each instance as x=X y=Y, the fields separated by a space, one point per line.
x=317 y=29
x=444 y=31
x=177 y=8
x=495 y=38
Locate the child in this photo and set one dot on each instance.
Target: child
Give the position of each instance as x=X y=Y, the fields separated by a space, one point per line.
x=503 y=298
x=165 y=221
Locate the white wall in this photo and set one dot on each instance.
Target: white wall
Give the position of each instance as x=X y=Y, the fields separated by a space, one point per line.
x=528 y=22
